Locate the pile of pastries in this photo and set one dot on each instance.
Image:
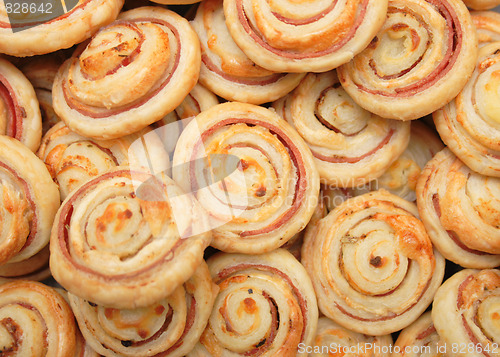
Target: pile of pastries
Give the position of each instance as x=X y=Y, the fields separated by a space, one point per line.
x=250 y=177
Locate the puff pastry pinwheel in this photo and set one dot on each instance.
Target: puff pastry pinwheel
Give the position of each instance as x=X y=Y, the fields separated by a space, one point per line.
x=419 y=339
x=41 y=72
x=35 y=321
x=82 y=348
x=49 y=27
x=465 y=313
x=169 y=327
x=29 y=202
x=33 y=268
x=131 y=74
x=419 y=61
x=127 y=239
x=315 y=36
x=470 y=124
x=350 y=145
x=73 y=159
x=334 y=340
x=372 y=264
x=226 y=70
x=481 y=4
x=19 y=111
x=461 y=211
x=265 y=307
x=487 y=25
x=252 y=172
x=170 y=127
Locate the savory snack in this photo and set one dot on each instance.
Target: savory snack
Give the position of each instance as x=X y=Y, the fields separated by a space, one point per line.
x=461 y=211
x=334 y=340
x=19 y=111
x=481 y=4
x=419 y=339
x=226 y=70
x=73 y=159
x=34 y=268
x=103 y=91
x=465 y=313
x=41 y=72
x=314 y=36
x=34 y=317
x=30 y=200
x=253 y=174
x=265 y=307
x=127 y=239
x=419 y=61
x=487 y=25
x=350 y=145
x=470 y=124
x=372 y=264
x=169 y=327
x=49 y=27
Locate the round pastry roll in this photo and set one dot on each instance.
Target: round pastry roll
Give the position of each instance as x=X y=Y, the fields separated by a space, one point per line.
x=481 y=4
x=82 y=348
x=420 y=339
x=104 y=90
x=470 y=124
x=401 y=177
x=170 y=127
x=372 y=264
x=487 y=25
x=73 y=159
x=334 y=340
x=33 y=268
x=461 y=211
x=169 y=327
x=175 y=2
x=465 y=313
x=265 y=307
x=419 y=61
x=226 y=70
x=315 y=36
x=19 y=111
x=127 y=239
x=29 y=202
x=252 y=172
x=350 y=145
x=41 y=72
x=51 y=25
x=35 y=321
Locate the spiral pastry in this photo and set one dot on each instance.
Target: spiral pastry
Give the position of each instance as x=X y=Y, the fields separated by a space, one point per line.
x=19 y=112
x=29 y=199
x=127 y=239
x=73 y=159
x=315 y=36
x=266 y=185
x=420 y=339
x=41 y=72
x=169 y=327
x=42 y=31
x=265 y=307
x=470 y=124
x=82 y=348
x=170 y=127
x=461 y=211
x=104 y=91
x=419 y=61
x=481 y=4
x=372 y=264
x=33 y=268
x=35 y=321
x=350 y=145
x=465 y=313
x=226 y=70
x=334 y=340
x=487 y=25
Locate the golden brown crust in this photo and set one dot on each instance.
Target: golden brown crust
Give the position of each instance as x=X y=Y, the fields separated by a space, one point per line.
x=487 y=25
x=481 y=4
x=419 y=339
